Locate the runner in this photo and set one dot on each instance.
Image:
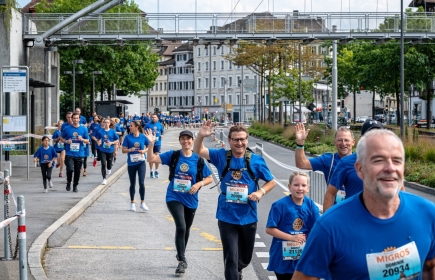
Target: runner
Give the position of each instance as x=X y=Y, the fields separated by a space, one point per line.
x=95 y=140
x=380 y=233
x=157 y=128
x=136 y=145
x=86 y=151
x=74 y=136
x=82 y=118
x=68 y=118
x=182 y=192
x=290 y=221
x=107 y=140
x=46 y=155
x=237 y=206
x=94 y=126
x=59 y=146
x=117 y=128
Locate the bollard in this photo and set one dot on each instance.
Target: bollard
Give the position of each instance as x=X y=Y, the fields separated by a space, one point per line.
x=22 y=237
x=221 y=135
x=7 y=251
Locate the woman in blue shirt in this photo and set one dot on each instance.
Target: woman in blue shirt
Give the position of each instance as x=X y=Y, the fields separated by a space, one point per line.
x=59 y=146
x=46 y=156
x=106 y=141
x=182 y=192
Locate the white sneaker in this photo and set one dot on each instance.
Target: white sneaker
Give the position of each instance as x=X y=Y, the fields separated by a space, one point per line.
x=50 y=184
x=133 y=207
x=45 y=190
x=144 y=207
x=104 y=182
x=108 y=171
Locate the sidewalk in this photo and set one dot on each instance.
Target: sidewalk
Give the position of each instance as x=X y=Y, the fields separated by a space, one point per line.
x=44 y=209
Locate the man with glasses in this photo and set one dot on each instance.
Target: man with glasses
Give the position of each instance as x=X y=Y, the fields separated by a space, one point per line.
x=344 y=142
x=237 y=204
x=157 y=129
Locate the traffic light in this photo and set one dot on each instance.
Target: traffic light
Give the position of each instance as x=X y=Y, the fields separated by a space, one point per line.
x=342 y=103
x=156 y=110
x=386 y=108
x=329 y=107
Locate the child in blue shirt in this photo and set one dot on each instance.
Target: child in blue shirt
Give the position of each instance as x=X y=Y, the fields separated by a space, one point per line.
x=46 y=155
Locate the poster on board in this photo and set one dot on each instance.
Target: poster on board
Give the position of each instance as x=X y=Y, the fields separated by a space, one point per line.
x=14 y=124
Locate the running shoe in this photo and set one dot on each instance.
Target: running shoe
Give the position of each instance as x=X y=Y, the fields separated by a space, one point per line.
x=143 y=206
x=85 y=173
x=114 y=159
x=156 y=174
x=108 y=172
x=68 y=186
x=104 y=182
x=95 y=162
x=92 y=156
x=50 y=183
x=185 y=261
x=180 y=268
x=132 y=207
x=75 y=189
x=151 y=174
x=60 y=175
x=45 y=190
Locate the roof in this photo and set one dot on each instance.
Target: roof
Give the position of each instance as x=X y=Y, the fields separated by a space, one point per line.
x=189 y=62
x=34 y=83
x=108 y=102
x=183 y=48
x=168 y=62
x=30 y=7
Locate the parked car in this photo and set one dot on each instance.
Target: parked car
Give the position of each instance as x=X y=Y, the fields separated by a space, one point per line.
x=380 y=118
x=296 y=118
x=362 y=119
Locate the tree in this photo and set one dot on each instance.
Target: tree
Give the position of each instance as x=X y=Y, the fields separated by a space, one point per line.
x=132 y=67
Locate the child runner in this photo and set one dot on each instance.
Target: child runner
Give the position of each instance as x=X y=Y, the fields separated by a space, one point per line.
x=46 y=155
x=59 y=146
x=290 y=221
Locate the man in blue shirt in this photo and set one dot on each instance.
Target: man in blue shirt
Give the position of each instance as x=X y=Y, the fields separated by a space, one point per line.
x=74 y=137
x=157 y=129
x=237 y=205
x=380 y=233
x=82 y=118
x=344 y=142
x=68 y=120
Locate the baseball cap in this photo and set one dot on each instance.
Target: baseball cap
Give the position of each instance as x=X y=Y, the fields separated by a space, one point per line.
x=370 y=124
x=186 y=132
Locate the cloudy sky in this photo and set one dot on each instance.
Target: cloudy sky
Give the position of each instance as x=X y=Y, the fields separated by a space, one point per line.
x=222 y=6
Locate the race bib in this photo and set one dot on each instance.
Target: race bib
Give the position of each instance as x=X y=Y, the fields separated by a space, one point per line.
x=237 y=193
x=182 y=185
x=292 y=250
x=157 y=138
x=74 y=147
x=60 y=145
x=136 y=157
x=401 y=263
x=341 y=196
x=106 y=145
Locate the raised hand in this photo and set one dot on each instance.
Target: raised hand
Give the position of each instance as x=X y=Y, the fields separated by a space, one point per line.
x=206 y=129
x=301 y=133
x=150 y=135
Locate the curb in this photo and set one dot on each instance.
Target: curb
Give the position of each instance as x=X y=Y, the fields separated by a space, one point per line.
x=418 y=187
x=38 y=247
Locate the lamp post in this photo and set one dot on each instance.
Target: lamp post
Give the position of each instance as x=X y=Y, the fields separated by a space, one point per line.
x=244 y=113
x=77 y=61
x=199 y=102
x=93 y=89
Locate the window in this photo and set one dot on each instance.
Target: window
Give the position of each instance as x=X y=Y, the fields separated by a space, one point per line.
x=230 y=99
x=206 y=66
x=198 y=83
x=230 y=65
x=206 y=51
x=222 y=49
x=214 y=50
x=160 y=101
x=255 y=98
x=246 y=99
x=206 y=83
x=198 y=51
x=238 y=66
x=214 y=82
x=205 y=100
x=222 y=65
x=313 y=50
x=230 y=50
x=157 y=86
x=239 y=81
x=170 y=101
x=161 y=86
x=166 y=72
x=161 y=72
x=214 y=65
x=230 y=81
x=198 y=100
x=199 y=66
x=246 y=77
x=222 y=85
x=184 y=57
x=164 y=101
x=165 y=86
x=222 y=99
x=192 y=100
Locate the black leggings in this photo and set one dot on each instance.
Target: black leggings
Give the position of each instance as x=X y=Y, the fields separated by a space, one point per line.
x=73 y=165
x=85 y=163
x=286 y=276
x=46 y=173
x=103 y=158
x=183 y=218
x=140 y=170
x=94 y=148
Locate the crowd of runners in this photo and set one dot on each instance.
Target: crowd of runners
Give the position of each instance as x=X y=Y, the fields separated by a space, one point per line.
x=370 y=227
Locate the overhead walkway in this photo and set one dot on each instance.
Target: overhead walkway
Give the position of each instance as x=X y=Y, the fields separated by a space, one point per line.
x=119 y=28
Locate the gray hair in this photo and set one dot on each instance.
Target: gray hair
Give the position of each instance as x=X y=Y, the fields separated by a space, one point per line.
x=299 y=173
x=361 y=148
x=344 y=129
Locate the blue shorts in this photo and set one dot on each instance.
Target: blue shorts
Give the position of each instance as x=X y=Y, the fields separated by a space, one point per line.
x=156 y=149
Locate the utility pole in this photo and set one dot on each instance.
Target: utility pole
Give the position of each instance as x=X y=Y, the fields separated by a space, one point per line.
x=225 y=102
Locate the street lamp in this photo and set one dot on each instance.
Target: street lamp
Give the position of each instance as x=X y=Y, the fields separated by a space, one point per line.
x=74 y=62
x=199 y=102
x=244 y=112
x=93 y=89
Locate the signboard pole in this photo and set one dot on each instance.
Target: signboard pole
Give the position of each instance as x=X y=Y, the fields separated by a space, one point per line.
x=15 y=79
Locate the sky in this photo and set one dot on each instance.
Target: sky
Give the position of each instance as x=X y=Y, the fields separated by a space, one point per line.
x=248 y=6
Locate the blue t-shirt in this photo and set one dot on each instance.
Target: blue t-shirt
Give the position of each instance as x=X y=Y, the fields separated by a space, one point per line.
x=140 y=142
x=122 y=124
x=65 y=124
x=136 y=118
x=189 y=166
x=344 y=236
x=284 y=215
x=231 y=212
x=157 y=129
x=106 y=136
x=93 y=127
x=94 y=134
x=59 y=146
x=326 y=164
x=345 y=177
x=76 y=148
x=45 y=155
x=83 y=120
x=86 y=148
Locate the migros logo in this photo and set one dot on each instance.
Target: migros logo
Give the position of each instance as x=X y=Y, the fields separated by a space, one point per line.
x=393 y=256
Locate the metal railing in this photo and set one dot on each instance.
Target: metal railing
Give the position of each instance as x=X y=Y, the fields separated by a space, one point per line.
x=225 y=25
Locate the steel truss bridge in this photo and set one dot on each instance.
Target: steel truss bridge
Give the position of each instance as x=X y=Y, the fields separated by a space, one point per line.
x=100 y=28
